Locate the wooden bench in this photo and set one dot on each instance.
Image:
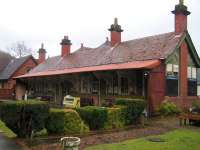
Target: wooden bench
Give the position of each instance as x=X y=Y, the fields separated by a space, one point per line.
x=188 y=118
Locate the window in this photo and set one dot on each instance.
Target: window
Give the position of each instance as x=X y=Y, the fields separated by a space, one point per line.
x=124 y=85
x=192 y=82
x=172 y=70
x=169 y=68
x=110 y=87
x=189 y=72
x=115 y=85
x=1 y=85
x=84 y=85
x=192 y=73
x=95 y=86
x=172 y=79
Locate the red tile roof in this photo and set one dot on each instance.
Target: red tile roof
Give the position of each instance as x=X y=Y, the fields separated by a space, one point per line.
x=143 y=49
x=148 y=64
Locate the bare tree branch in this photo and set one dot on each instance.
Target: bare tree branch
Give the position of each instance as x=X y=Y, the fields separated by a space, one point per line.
x=19 y=49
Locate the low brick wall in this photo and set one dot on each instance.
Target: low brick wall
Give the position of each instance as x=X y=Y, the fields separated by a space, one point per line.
x=183 y=102
x=6 y=94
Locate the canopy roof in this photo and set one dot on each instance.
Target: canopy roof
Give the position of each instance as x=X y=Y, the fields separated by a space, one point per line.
x=148 y=64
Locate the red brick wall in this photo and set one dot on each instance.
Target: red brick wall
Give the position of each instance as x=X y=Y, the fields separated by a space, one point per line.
x=183 y=102
x=183 y=81
x=180 y=23
x=65 y=50
x=115 y=37
x=156 y=87
x=11 y=83
x=23 y=69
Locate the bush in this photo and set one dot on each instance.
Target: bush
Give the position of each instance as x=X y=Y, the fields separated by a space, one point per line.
x=196 y=106
x=24 y=117
x=132 y=110
x=115 y=119
x=168 y=108
x=94 y=116
x=65 y=121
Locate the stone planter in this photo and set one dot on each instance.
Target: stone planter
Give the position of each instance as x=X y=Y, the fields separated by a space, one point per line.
x=70 y=143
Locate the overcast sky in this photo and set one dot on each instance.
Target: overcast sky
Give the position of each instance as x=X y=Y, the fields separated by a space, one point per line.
x=87 y=21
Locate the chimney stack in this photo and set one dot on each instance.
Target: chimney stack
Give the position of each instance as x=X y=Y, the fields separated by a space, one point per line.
x=42 y=54
x=181 y=14
x=115 y=30
x=66 y=46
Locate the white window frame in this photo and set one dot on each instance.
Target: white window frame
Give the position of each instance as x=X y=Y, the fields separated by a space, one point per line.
x=194 y=73
x=189 y=72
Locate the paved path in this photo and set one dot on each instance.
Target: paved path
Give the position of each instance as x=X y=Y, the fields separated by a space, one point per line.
x=8 y=144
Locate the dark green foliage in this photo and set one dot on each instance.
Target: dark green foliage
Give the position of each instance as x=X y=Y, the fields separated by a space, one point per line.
x=131 y=110
x=64 y=122
x=196 y=106
x=168 y=108
x=24 y=117
x=94 y=116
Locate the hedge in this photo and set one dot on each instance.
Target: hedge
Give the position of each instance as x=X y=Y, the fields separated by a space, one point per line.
x=115 y=119
x=24 y=117
x=131 y=109
x=64 y=122
x=94 y=116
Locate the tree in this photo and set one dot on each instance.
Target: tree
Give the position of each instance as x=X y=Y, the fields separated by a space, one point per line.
x=19 y=49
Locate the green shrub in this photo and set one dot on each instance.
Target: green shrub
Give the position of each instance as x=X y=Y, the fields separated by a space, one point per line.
x=196 y=106
x=41 y=133
x=132 y=110
x=94 y=116
x=24 y=117
x=168 y=108
x=115 y=119
x=65 y=121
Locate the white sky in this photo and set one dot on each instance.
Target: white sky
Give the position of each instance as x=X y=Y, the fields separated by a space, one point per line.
x=87 y=21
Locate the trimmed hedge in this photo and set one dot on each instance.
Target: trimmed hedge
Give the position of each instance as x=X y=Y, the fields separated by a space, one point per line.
x=64 y=122
x=94 y=116
x=132 y=110
x=24 y=117
x=127 y=111
x=115 y=119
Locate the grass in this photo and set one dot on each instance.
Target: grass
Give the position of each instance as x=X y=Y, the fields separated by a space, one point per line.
x=6 y=131
x=181 y=139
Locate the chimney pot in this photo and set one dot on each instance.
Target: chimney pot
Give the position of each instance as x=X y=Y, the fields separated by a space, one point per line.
x=42 y=54
x=181 y=14
x=82 y=45
x=66 y=46
x=115 y=30
x=66 y=37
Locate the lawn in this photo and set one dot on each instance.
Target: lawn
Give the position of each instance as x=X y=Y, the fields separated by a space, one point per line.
x=6 y=131
x=181 y=139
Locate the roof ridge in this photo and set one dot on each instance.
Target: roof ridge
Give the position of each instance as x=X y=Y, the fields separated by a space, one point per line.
x=156 y=35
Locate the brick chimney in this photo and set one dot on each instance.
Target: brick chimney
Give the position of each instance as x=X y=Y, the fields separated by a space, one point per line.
x=181 y=14
x=115 y=30
x=42 y=54
x=66 y=46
